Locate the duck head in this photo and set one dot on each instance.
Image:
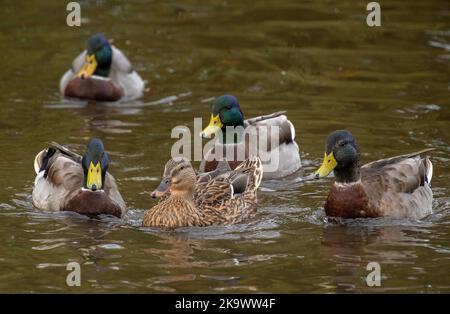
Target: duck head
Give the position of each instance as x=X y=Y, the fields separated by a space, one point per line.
x=225 y=112
x=341 y=156
x=98 y=57
x=95 y=163
x=182 y=180
x=164 y=186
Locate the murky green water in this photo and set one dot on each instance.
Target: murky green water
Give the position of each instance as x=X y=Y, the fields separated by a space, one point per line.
x=318 y=60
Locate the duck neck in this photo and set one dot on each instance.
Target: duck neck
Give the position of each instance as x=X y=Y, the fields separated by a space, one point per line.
x=232 y=135
x=103 y=71
x=185 y=195
x=349 y=174
x=104 y=62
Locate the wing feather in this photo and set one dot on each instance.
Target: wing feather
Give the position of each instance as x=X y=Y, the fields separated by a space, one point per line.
x=399 y=185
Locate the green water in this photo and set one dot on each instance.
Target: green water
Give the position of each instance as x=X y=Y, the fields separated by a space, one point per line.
x=316 y=59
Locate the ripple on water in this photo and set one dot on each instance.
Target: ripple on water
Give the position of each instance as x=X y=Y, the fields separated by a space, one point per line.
x=419 y=109
x=111 y=246
x=48 y=247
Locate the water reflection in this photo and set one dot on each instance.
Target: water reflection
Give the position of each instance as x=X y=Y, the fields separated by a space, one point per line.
x=351 y=247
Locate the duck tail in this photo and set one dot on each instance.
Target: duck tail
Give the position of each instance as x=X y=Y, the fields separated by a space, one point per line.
x=258 y=172
x=253 y=167
x=65 y=151
x=38 y=160
x=265 y=117
x=425 y=171
x=42 y=159
x=428 y=170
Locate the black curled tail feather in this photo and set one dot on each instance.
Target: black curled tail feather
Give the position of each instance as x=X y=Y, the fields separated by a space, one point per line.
x=65 y=151
x=45 y=159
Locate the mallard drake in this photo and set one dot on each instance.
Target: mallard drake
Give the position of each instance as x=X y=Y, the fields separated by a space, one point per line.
x=273 y=141
x=225 y=199
x=103 y=73
x=397 y=187
x=66 y=181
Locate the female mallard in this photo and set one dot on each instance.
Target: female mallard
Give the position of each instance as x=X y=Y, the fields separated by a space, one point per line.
x=397 y=187
x=270 y=137
x=65 y=181
x=162 y=191
x=226 y=199
x=102 y=73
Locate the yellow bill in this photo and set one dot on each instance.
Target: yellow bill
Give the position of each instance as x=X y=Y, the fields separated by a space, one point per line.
x=328 y=164
x=89 y=66
x=214 y=125
x=94 y=177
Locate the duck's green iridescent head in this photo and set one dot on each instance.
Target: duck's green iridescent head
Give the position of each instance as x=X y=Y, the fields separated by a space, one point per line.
x=225 y=112
x=341 y=156
x=95 y=163
x=98 y=57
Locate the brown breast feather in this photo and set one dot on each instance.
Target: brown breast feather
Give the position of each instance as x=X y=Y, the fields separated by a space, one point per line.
x=93 y=89
x=233 y=163
x=92 y=203
x=349 y=201
x=174 y=213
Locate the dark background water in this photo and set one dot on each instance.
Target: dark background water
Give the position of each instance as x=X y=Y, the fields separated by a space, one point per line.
x=318 y=60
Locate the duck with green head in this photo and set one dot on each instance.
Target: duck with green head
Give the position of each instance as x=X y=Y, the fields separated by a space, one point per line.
x=66 y=181
x=273 y=141
x=226 y=112
x=102 y=73
x=397 y=187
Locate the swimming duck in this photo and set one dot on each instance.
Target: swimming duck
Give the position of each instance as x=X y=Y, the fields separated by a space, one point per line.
x=66 y=181
x=398 y=187
x=162 y=191
x=273 y=140
x=103 y=73
x=226 y=199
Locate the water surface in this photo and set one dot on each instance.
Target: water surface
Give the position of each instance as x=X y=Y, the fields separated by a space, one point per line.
x=316 y=59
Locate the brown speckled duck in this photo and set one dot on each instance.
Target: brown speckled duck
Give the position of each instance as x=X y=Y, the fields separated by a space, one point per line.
x=225 y=199
x=397 y=187
x=162 y=191
x=66 y=181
